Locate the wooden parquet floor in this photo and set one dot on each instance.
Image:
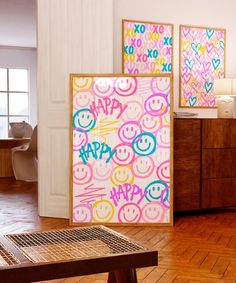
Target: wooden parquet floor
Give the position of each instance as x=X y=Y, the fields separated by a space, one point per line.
x=199 y=248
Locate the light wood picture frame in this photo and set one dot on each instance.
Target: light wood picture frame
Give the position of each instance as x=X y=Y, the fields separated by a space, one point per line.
x=147 y=47
x=114 y=178
x=202 y=58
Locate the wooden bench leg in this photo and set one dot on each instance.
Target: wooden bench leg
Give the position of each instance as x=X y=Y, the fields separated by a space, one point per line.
x=123 y=276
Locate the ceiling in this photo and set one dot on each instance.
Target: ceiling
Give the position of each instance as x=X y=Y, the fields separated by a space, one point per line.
x=18 y=23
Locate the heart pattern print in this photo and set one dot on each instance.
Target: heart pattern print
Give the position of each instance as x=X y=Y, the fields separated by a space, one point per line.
x=121 y=149
x=147 y=47
x=202 y=59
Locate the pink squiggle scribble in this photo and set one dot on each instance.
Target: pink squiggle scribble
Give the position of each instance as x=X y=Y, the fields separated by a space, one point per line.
x=91 y=194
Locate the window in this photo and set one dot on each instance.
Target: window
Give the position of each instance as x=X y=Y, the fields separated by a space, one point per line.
x=14 y=98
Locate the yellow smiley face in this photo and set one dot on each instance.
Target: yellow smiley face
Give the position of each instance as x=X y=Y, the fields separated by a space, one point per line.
x=166 y=119
x=122 y=175
x=81 y=82
x=103 y=211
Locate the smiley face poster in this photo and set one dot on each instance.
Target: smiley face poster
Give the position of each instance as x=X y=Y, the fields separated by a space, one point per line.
x=202 y=59
x=147 y=47
x=121 y=149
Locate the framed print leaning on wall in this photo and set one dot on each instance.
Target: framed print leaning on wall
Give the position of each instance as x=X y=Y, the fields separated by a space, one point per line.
x=121 y=149
x=147 y=47
x=202 y=59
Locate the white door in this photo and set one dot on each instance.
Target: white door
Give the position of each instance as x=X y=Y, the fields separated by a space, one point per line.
x=74 y=36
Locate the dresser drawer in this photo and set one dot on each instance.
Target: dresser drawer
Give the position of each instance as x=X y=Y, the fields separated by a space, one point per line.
x=218 y=193
x=219 y=163
x=218 y=133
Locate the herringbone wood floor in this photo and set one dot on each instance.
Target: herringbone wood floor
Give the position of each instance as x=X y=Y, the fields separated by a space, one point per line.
x=199 y=248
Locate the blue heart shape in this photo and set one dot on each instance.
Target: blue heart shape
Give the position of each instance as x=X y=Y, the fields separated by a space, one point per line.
x=192 y=101
x=189 y=63
x=208 y=86
x=210 y=32
x=195 y=47
x=215 y=63
x=222 y=44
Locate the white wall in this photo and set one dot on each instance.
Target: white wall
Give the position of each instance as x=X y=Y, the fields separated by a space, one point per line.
x=210 y=13
x=16 y=57
x=18 y=23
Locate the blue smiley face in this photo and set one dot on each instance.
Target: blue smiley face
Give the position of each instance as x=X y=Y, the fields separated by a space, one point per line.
x=155 y=191
x=144 y=144
x=83 y=120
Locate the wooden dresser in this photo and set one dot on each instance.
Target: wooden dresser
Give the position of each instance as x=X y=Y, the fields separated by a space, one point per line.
x=204 y=163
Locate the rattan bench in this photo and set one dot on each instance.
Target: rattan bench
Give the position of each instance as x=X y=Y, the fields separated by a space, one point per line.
x=30 y=257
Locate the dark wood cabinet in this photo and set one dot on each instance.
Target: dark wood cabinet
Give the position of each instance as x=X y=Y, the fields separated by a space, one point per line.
x=218 y=193
x=204 y=163
x=187 y=147
x=218 y=163
x=218 y=133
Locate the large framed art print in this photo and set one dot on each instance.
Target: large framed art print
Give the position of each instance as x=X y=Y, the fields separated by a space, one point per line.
x=202 y=59
x=121 y=149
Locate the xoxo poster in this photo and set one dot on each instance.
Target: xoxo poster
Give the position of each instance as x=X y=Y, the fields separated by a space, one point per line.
x=147 y=47
x=121 y=149
x=202 y=59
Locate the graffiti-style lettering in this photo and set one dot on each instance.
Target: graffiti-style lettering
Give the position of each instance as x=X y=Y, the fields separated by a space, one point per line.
x=129 y=49
x=139 y=28
x=107 y=106
x=127 y=192
x=166 y=68
x=136 y=42
x=96 y=150
x=167 y=40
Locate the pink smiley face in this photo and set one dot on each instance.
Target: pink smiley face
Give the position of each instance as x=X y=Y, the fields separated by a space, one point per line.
x=103 y=87
x=125 y=86
x=161 y=84
x=129 y=213
x=79 y=139
x=165 y=199
x=124 y=154
x=82 y=99
x=156 y=104
x=163 y=137
x=129 y=131
x=150 y=123
x=102 y=170
x=133 y=111
x=142 y=166
x=161 y=155
x=167 y=216
x=153 y=212
x=82 y=173
x=82 y=213
x=163 y=171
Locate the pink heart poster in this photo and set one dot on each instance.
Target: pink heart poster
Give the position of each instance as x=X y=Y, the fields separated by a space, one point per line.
x=202 y=59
